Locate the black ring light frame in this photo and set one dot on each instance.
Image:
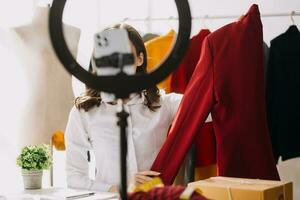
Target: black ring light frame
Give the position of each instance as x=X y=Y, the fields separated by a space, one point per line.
x=121 y=86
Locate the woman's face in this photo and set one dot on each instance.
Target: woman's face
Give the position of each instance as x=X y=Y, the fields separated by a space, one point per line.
x=138 y=59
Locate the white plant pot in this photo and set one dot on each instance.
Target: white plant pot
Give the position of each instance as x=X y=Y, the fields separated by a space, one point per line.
x=32 y=179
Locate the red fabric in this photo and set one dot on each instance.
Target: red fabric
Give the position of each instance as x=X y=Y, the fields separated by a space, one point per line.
x=206 y=146
x=182 y=75
x=163 y=193
x=228 y=82
x=205 y=140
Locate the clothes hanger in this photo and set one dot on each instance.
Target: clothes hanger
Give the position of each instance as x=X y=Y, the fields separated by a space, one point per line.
x=124 y=20
x=292 y=17
x=293 y=28
x=42 y=3
x=170 y=22
x=204 y=23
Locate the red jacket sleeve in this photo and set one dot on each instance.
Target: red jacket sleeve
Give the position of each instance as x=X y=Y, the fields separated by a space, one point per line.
x=193 y=111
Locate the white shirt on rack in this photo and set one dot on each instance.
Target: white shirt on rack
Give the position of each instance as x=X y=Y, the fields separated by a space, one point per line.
x=97 y=131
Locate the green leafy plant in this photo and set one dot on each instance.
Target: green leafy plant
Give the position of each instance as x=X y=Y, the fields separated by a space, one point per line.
x=35 y=157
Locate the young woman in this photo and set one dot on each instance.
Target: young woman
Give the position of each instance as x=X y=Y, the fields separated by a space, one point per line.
x=92 y=126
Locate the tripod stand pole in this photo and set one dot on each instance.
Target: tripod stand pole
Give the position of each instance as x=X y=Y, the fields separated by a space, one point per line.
x=122 y=122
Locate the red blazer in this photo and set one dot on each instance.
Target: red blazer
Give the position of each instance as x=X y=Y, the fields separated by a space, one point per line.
x=182 y=75
x=205 y=139
x=228 y=82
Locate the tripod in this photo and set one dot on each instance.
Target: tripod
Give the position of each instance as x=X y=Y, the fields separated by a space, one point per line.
x=122 y=122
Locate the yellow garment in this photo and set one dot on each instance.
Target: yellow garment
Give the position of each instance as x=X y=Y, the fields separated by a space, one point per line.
x=202 y=173
x=157 y=50
x=149 y=185
x=58 y=140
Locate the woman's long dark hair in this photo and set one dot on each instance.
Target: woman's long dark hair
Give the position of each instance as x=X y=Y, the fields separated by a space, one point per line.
x=91 y=97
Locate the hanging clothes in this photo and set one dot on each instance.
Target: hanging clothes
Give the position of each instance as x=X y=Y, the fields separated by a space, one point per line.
x=157 y=50
x=182 y=75
x=283 y=96
x=205 y=144
x=205 y=159
x=228 y=83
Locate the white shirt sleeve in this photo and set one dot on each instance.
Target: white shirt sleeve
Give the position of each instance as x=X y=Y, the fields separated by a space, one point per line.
x=172 y=101
x=77 y=145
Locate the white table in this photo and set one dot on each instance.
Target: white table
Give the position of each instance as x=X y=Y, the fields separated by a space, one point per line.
x=55 y=194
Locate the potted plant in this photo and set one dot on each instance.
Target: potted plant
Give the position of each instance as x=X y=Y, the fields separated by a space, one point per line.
x=33 y=160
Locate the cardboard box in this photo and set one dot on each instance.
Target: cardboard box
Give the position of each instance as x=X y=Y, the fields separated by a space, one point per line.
x=225 y=188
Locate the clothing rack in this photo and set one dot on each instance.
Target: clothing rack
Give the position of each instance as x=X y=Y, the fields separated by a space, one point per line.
x=292 y=14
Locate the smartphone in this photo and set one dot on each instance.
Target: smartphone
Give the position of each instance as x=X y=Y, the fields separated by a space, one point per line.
x=107 y=45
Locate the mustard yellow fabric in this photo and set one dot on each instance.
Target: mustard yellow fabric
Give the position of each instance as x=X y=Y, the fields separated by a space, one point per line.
x=202 y=173
x=157 y=50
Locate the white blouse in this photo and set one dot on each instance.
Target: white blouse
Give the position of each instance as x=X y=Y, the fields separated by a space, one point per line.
x=96 y=131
